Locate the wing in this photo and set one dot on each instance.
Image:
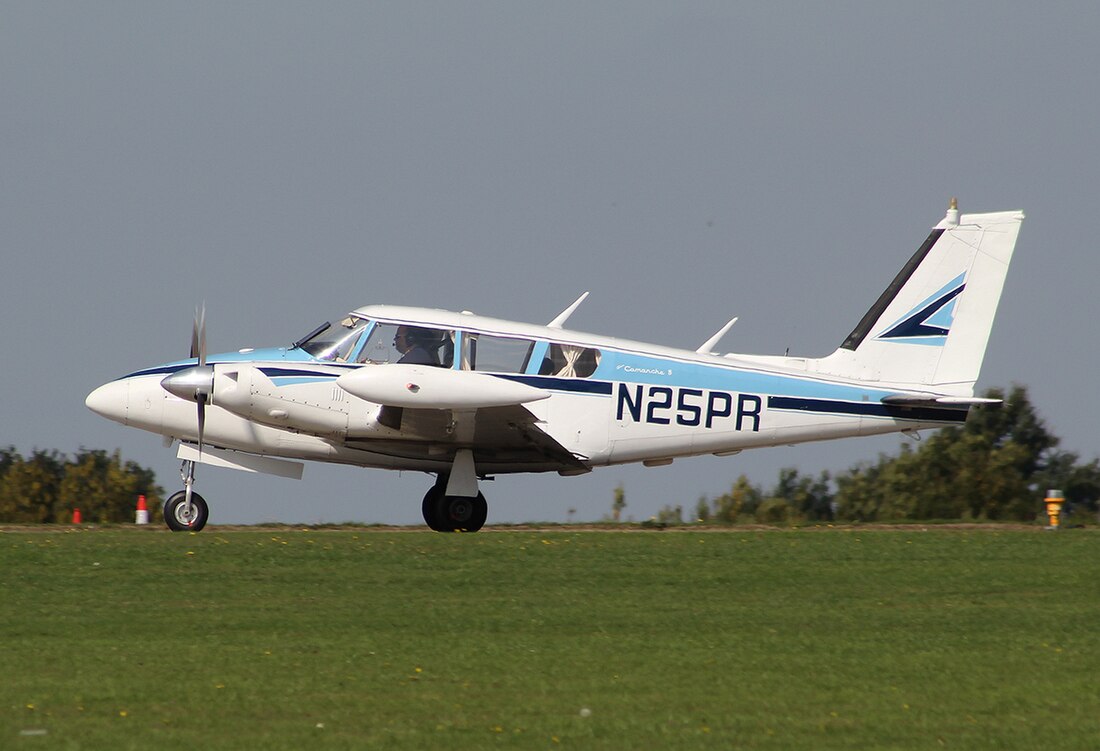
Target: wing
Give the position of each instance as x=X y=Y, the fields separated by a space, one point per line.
x=439 y=411
x=503 y=439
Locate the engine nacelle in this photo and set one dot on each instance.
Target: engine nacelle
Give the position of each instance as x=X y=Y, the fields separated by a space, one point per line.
x=424 y=387
x=320 y=408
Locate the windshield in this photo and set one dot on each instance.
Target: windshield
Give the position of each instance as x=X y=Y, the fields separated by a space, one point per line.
x=337 y=342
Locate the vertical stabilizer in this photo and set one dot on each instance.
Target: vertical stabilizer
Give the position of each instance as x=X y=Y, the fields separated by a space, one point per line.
x=930 y=327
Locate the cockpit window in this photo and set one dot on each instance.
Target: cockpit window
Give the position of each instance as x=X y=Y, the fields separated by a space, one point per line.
x=335 y=343
x=410 y=345
x=497 y=354
x=569 y=361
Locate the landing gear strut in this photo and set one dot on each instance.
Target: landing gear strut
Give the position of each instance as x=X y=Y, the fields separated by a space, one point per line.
x=453 y=513
x=186 y=510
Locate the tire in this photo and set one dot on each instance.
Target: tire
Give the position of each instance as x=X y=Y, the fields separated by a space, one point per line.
x=430 y=508
x=174 y=515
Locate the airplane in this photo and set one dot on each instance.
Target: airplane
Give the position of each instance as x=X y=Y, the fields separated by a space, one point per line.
x=465 y=397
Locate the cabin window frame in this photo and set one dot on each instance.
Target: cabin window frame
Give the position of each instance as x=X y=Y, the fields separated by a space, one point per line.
x=503 y=359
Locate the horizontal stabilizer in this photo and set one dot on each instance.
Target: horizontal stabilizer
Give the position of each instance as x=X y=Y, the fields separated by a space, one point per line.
x=425 y=387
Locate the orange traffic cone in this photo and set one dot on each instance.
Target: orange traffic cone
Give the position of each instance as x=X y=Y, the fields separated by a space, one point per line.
x=76 y=516
x=142 y=511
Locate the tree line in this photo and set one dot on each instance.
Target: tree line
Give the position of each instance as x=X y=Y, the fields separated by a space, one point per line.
x=46 y=486
x=997 y=466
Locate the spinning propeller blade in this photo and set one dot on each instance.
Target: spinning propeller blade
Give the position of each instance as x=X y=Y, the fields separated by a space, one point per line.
x=198 y=335
x=198 y=349
x=197 y=382
x=202 y=419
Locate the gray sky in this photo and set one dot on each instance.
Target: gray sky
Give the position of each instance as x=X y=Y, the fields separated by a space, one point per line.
x=684 y=161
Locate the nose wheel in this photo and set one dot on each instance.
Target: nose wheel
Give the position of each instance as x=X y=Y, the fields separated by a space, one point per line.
x=181 y=516
x=453 y=513
x=186 y=510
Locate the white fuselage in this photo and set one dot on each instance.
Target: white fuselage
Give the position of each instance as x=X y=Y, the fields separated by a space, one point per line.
x=639 y=403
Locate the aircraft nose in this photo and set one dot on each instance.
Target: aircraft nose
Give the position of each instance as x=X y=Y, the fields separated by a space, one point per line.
x=111 y=400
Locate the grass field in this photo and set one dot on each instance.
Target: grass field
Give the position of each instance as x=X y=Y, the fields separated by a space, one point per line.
x=355 y=638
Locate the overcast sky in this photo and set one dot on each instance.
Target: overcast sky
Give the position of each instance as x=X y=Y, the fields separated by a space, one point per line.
x=684 y=161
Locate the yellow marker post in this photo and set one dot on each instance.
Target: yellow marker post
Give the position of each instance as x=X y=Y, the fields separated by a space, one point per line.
x=1054 y=501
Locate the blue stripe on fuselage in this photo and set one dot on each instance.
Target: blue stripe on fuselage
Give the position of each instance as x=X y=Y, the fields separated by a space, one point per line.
x=270 y=354
x=631 y=368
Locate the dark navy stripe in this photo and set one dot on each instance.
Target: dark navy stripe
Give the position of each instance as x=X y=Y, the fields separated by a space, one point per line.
x=576 y=385
x=296 y=373
x=873 y=409
x=269 y=372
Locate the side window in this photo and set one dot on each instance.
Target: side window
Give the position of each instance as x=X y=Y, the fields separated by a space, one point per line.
x=569 y=361
x=410 y=345
x=497 y=354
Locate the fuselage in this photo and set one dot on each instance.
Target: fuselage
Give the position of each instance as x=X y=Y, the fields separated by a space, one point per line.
x=603 y=400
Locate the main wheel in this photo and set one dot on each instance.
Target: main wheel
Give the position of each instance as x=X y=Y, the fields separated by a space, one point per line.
x=430 y=508
x=177 y=517
x=461 y=513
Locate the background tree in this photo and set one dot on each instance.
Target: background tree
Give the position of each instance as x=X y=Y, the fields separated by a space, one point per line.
x=47 y=486
x=808 y=498
x=619 y=502
x=29 y=487
x=702 y=510
x=105 y=489
x=743 y=498
x=989 y=468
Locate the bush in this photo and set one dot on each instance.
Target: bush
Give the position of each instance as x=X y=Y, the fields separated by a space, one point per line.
x=775 y=511
x=47 y=486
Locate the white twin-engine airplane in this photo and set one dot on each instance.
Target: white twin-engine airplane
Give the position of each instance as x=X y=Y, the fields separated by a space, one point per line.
x=464 y=397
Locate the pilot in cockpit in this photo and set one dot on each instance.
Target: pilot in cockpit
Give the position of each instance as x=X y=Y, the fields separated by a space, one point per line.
x=417 y=346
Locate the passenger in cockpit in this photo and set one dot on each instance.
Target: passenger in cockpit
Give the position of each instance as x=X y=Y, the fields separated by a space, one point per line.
x=417 y=346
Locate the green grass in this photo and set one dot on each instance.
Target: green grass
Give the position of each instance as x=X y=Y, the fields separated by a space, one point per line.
x=797 y=639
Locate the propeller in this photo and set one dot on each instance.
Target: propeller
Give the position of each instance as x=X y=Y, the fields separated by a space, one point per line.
x=196 y=383
x=198 y=335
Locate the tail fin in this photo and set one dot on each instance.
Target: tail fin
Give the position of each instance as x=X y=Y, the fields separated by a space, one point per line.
x=930 y=327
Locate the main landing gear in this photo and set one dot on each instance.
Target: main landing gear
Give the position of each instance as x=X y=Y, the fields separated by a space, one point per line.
x=453 y=513
x=186 y=511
